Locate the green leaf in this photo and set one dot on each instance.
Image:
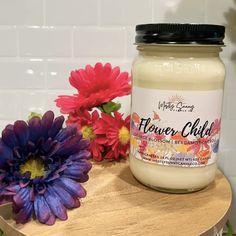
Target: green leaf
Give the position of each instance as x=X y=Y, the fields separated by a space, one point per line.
x=230 y=230
x=33 y=114
x=110 y=107
x=100 y=109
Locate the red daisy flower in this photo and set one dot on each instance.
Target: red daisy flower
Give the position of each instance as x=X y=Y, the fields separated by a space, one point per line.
x=95 y=85
x=86 y=125
x=117 y=134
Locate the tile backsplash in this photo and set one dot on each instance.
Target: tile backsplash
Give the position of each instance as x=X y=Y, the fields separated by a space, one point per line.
x=42 y=40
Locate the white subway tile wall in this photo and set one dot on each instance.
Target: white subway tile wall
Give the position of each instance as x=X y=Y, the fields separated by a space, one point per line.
x=41 y=41
x=8 y=42
x=125 y=12
x=45 y=42
x=21 y=74
x=99 y=42
x=71 y=12
x=179 y=11
x=24 y=12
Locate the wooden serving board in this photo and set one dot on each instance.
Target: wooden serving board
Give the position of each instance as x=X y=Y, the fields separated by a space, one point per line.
x=117 y=204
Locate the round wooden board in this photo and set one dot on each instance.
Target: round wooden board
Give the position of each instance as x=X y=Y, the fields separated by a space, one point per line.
x=117 y=204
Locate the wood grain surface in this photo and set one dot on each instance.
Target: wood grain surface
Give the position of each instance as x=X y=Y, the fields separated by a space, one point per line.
x=117 y=204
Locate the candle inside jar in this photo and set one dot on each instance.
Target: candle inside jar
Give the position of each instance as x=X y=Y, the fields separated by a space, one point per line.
x=176 y=109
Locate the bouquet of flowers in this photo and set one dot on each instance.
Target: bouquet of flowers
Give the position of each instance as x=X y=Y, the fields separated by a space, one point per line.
x=42 y=164
x=95 y=113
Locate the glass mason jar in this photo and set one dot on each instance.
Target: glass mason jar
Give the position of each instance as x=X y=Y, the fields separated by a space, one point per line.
x=178 y=81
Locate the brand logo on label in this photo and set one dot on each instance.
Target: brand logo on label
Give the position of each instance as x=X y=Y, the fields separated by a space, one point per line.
x=175 y=103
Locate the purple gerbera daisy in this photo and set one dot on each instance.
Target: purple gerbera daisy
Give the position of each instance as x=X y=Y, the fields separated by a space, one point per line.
x=41 y=168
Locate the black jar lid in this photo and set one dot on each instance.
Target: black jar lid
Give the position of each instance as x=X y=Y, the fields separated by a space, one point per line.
x=179 y=34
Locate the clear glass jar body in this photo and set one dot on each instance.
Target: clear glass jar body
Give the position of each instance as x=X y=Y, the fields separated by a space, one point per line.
x=179 y=68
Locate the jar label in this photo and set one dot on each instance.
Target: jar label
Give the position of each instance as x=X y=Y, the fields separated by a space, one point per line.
x=176 y=128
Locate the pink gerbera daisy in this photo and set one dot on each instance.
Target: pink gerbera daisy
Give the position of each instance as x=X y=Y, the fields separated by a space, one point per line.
x=116 y=130
x=86 y=123
x=95 y=85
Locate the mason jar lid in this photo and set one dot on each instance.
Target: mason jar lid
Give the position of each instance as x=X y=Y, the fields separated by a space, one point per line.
x=179 y=34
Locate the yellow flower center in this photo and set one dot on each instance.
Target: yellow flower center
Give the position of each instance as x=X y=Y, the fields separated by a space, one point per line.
x=124 y=135
x=87 y=132
x=35 y=166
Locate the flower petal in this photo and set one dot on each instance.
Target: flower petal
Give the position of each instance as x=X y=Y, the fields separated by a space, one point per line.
x=22 y=197
x=56 y=126
x=41 y=209
x=81 y=155
x=25 y=214
x=79 y=177
x=66 y=133
x=84 y=144
x=47 y=121
x=78 y=171
x=73 y=187
x=22 y=132
x=67 y=104
x=5 y=155
x=66 y=198
x=9 y=137
x=55 y=205
x=35 y=128
x=95 y=116
x=12 y=189
x=31 y=147
x=73 y=174
x=51 y=220
x=48 y=145
x=71 y=145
